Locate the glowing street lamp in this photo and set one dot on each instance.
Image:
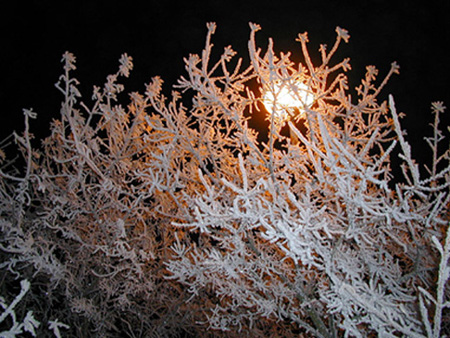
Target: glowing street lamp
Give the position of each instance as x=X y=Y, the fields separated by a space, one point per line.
x=287 y=96
x=283 y=98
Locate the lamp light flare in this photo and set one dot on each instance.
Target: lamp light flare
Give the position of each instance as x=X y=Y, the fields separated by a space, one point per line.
x=286 y=97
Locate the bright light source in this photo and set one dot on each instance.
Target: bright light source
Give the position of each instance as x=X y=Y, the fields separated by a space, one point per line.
x=288 y=96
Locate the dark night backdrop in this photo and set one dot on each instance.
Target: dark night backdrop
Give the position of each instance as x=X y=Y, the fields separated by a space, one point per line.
x=158 y=34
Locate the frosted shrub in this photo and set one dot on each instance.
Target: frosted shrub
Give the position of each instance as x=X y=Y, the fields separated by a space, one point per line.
x=169 y=216
x=92 y=213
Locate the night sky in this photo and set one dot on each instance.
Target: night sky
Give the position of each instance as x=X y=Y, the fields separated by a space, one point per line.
x=158 y=34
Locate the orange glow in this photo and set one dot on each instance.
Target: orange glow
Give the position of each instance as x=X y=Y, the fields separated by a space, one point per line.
x=288 y=96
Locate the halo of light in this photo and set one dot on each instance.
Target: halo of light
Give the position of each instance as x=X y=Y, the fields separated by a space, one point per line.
x=299 y=97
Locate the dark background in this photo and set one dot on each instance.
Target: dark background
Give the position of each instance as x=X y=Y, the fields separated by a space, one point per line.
x=158 y=34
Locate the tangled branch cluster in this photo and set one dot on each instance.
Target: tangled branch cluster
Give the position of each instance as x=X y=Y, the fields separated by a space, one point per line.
x=166 y=217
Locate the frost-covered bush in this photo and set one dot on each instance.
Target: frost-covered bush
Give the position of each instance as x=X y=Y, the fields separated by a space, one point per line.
x=171 y=215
